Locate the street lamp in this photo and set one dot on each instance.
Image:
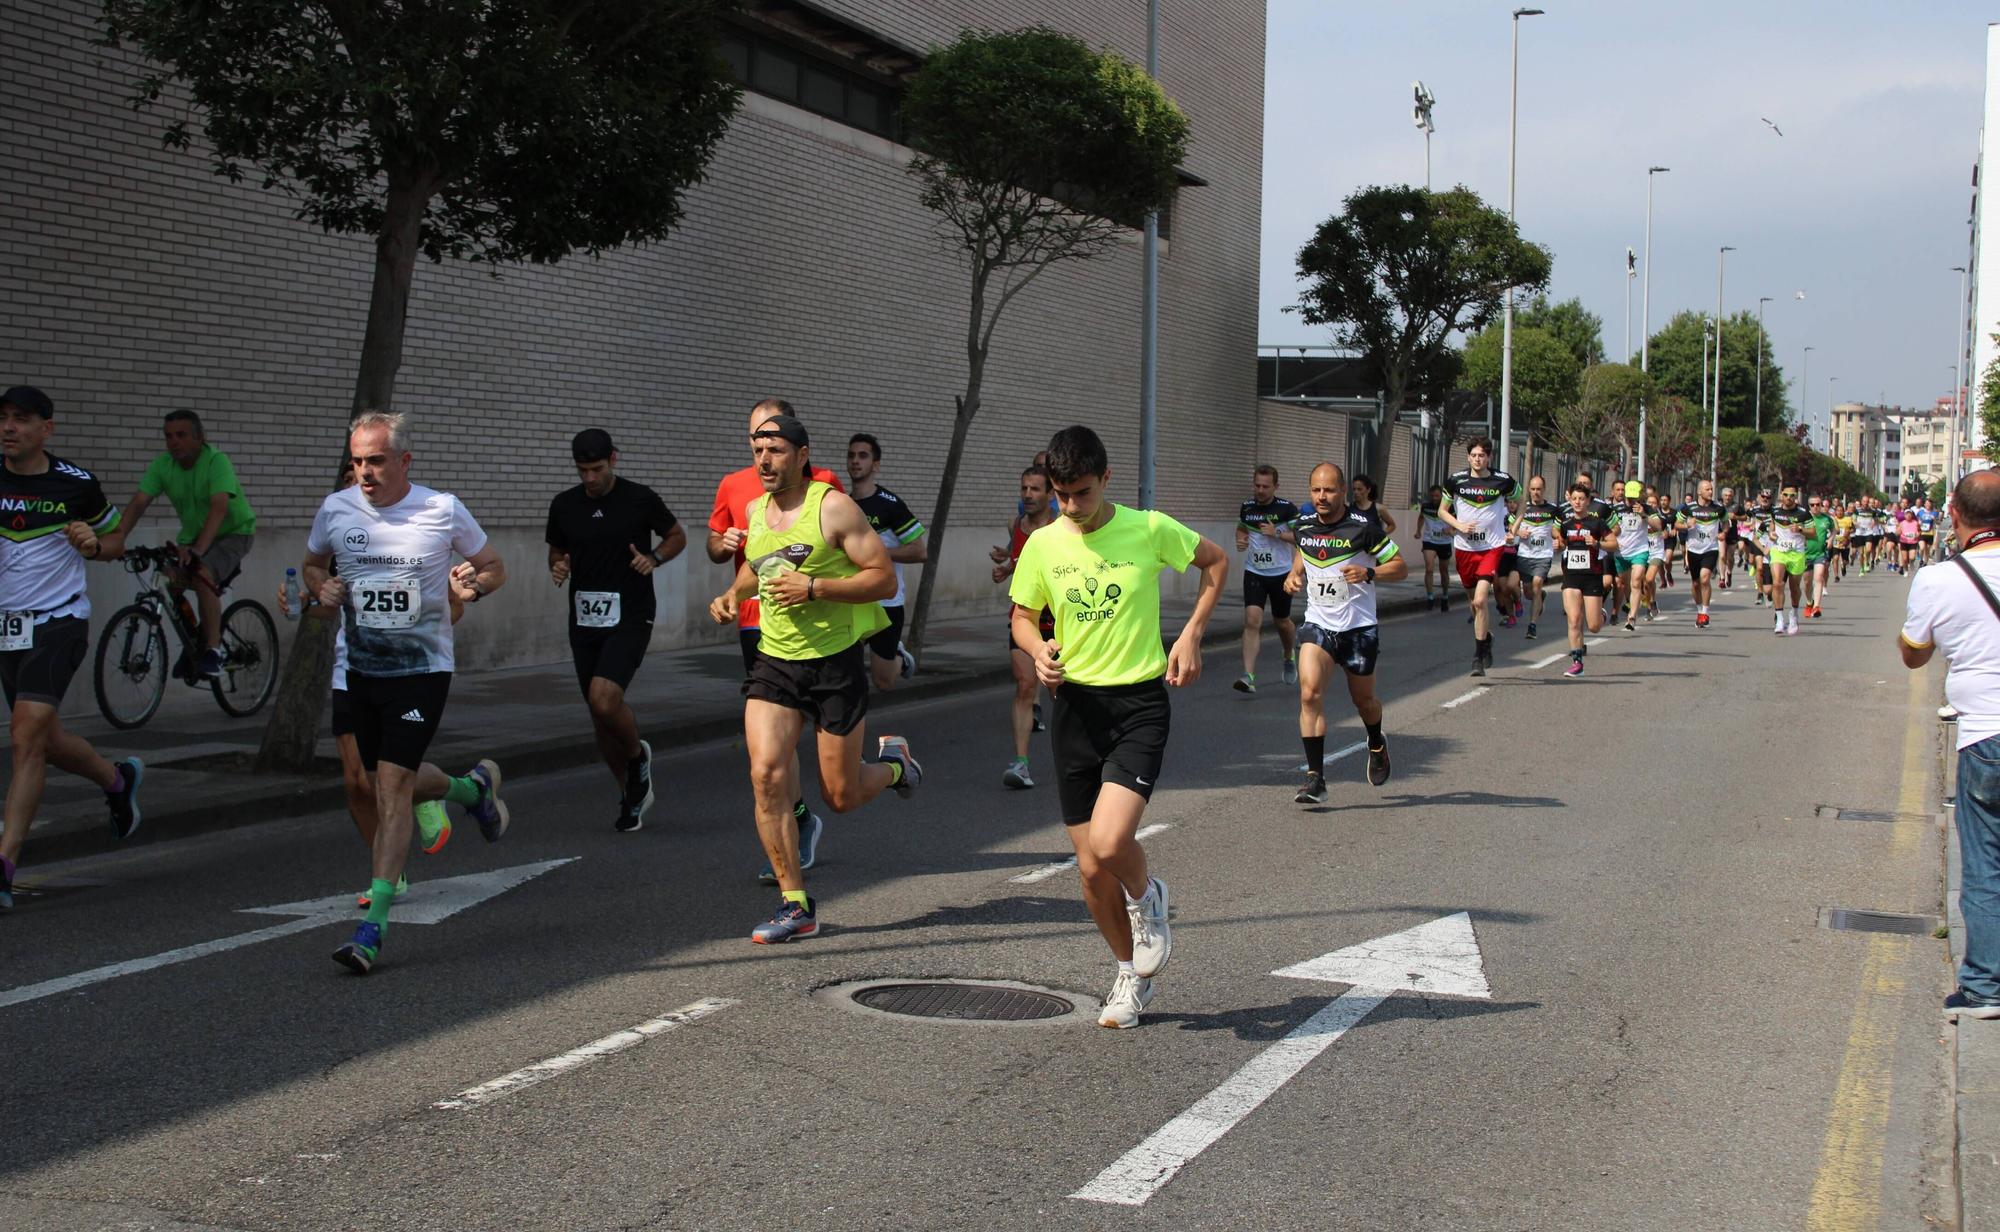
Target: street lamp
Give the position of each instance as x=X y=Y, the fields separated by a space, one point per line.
x=1761 y=301
x=1507 y=310
x=1715 y=417
x=1646 y=312
x=1421 y=114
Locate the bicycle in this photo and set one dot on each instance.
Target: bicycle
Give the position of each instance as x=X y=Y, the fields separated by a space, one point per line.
x=132 y=668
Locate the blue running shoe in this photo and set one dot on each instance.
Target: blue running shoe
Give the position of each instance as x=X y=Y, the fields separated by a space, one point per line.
x=897 y=749
x=791 y=923
x=358 y=955
x=809 y=831
x=491 y=811
x=124 y=802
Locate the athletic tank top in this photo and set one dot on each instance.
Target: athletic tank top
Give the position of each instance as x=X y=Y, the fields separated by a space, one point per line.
x=819 y=627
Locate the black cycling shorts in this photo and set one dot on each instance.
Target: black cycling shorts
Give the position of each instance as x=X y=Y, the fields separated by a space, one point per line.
x=1697 y=561
x=396 y=717
x=884 y=645
x=832 y=692
x=1258 y=587
x=42 y=672
x=343 y=714
x=1107 y=734
x=1353 y=649
x=1590 y=585
x=612 y=654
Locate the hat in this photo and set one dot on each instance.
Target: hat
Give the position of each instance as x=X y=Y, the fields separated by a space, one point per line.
x=785 y=428
x=1634 y=489
x=591 y=445
x=28 y=398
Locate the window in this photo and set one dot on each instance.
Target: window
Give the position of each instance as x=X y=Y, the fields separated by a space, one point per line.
x=774 y=65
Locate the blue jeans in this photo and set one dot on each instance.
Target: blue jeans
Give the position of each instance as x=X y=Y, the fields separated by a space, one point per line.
x=1978 y=816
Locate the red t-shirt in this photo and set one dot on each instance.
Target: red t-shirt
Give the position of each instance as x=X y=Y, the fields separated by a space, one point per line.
x=732 y=509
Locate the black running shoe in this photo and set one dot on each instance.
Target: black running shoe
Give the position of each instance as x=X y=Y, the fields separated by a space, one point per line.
x=1039 y=725
x=1478 y=664
x=124 y=802
x=1314 y=791
x=1378 y=765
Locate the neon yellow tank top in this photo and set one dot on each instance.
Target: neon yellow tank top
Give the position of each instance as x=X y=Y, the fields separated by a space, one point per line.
x=820 y=627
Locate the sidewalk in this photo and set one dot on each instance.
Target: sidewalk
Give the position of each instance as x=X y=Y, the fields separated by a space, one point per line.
x=1974 y=1057
x=530 y=720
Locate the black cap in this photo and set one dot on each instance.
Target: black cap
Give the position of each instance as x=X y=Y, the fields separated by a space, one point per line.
x=30 y=399
x=785 y=428
x=591 y=445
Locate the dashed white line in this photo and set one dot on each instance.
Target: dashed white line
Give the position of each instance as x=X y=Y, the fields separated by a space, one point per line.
x=616 y=1042
x=1463 y=698
x=1047 y=871
x=1557 y=658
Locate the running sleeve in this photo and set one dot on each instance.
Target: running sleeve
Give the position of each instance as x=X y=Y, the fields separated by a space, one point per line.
x=1175 y=544
x=467 y=539
x=660 y=518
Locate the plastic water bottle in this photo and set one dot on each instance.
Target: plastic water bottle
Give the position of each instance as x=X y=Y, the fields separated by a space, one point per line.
x=291 y=594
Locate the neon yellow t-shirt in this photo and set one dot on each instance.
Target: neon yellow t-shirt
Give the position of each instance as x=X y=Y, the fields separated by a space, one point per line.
x=1104 y=588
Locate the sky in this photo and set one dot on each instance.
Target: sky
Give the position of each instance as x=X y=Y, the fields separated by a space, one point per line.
x=1862 y=203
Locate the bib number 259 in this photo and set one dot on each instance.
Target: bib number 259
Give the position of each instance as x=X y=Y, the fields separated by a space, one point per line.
x=392 y=604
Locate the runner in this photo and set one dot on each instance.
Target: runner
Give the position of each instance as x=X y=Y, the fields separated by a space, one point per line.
x=903 y=537
x=1635 y=527
x=1036 y=513
x=1435 y=536
x=58 y=511
x=1657 y=523
x=1927 y=517
x=1731 y=539
x=728 y=523
x=1264 y=535
x=1340 y=625
x=1479 y=508
x=1789 y=525
x=1818 y=541
x=1909 y=534
x=1867 y=534
x=600 y=538
x=217 y=524
x=1752 y=525
x=1843 y=538
x=821 y=572
x=1587 y=541
x=1363 y=499
x=1702 y=520
x=392 y=542
x=1604 y=509
x=1098 y=568
x=1533 y=534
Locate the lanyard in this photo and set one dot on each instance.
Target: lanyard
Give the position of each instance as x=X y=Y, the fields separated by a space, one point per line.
x=1980 y=539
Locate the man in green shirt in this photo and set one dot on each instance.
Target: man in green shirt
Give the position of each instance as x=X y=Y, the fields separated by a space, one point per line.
x=1817 y=540
x=217 y=525
x=1097 y=567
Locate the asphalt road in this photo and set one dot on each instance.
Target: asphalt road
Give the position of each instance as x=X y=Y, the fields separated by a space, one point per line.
x=1671 y=1039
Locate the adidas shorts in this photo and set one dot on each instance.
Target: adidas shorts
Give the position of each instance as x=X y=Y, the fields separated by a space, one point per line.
x=395 y=717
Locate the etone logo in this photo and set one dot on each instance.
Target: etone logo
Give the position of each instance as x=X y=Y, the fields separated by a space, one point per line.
x=1095 y=607
x=355 y=540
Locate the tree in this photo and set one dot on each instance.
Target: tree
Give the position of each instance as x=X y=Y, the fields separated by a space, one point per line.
x=1036 y=150
x=1676 y=363
x=1579 y=329
x=1546 y=372
x=1989 y=409
x=516 y=130
x=1400 y=270
x=1676 y=439
x=1614 y=393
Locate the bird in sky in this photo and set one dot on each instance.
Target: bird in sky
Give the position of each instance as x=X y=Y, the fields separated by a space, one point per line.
x=1774 y=127
x=1798 y=295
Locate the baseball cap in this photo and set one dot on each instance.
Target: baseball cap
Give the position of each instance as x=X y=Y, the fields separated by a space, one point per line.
x=591 y=445
x=30 y=399
x=1634 y=489
x=785 y=428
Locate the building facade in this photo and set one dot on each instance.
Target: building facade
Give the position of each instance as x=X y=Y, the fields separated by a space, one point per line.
x=805 y=268
x=1870 y=439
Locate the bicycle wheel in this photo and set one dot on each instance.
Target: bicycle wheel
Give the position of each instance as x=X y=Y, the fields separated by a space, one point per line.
x=249 y=659
x=131 y=673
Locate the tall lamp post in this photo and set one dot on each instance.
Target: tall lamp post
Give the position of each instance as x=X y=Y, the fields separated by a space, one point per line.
x=1830 y=383
x=1715 y=416
x=1149 y=309
x=1761 y=301
x=1958 y=423
x=1421 y=115
x=1646 y=311
x=1631 y=273
x=1507 y=310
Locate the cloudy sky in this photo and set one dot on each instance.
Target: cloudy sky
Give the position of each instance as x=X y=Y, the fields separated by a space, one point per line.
x=1862 y=203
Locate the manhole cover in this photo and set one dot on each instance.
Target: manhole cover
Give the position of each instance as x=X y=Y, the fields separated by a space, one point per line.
x=1856 y=920
x=1835 y=813
x=959 y=1001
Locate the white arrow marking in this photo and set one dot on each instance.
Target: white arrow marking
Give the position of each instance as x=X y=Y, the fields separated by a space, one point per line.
x=1047 y=871
x=616 y=1042
x=1440 y=957
x=426 y=903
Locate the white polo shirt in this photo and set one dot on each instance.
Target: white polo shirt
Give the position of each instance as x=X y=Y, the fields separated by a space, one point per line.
x=1947 y=611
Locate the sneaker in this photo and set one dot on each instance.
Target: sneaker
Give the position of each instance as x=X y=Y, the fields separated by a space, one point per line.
x=908 y=661
x=1647 y=615
x=1575 y=668
x=1130 y=995
x=7 y=871
x=638 y=783
x=433 y=827
x=1314 y=791
x=1532 y=635
x=1508 y=623
x=1246 y=683
x=1039 y=725
x=1701 y=620
x=209 y=665
x=1152 y=938
x=1948 y=714
x=125 y=801
x=1958 y=1006
x=1778 y=625
x=1629 y=626
x=1430 y=603
x=1444 y=604
x=1378 y=765
x=491 y=811
x=359 y=954
x=1478 y=663
x=897 y=749
x=809 y=833
x=1815 y=611
x=1291 y=671
x=791 y=923
x=1016 y=774
x=363 y=901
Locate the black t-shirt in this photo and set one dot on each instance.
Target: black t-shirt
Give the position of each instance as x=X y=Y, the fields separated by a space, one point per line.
x=599 y=534
x=1584 y=533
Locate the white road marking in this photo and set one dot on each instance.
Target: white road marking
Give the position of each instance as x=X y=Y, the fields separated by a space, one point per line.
x=610 y=1045
x=1463 y=698
x=1557 y=658
x=132 y=966
x=1336 y=755
x=1047 y=871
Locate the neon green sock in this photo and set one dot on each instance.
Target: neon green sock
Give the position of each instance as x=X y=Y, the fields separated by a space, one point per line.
x=462 y=791
x=800 y=897
x=895 y=772
x=380 y=895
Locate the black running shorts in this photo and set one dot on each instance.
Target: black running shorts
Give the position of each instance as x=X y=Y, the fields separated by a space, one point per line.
x=747 y=640
x=395 y=717
x=1697 y=561
x=42 y=672
x=1353 y=649
x=1107 y=734
x=1590 y=584
x=832 y=692
x=612 y=654
x=1440 y=550
x=1259 y=587
x=343 y=714
x=884 y=644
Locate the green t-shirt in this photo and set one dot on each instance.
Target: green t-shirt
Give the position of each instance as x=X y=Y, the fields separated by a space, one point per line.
x=189 y=488
x=1104 y=588
x=1822 y=530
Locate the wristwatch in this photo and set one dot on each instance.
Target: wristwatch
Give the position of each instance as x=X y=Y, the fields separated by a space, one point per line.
x=1371 y=574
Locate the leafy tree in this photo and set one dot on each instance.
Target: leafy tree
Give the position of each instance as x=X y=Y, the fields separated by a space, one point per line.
x=1936 y=492
x=1989 y=409
x=1400 y=270
x=1676 y=439
x=1615 y=392
x=1546 y=372
x=514 y=130
x=1036 y=150
x=1580 y=329
x=1676 y=363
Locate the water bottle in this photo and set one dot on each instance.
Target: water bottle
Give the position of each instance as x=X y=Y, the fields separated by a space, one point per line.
x=291 y=594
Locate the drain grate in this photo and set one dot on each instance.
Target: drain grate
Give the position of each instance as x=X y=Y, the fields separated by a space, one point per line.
x=965 y=1001
x=1831 y=812
x=1853 y=919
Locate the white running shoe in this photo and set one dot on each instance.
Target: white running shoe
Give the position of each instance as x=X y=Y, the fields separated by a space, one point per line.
x=1948 y=714
x=1152 y=939
x=1017 y=775
x=1130 y=995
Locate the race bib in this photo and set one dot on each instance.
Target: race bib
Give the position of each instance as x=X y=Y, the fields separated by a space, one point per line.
x=1577 y=558
x=17 y=631
x=1263 y=559
x=1538 y=536
x=1791 y=541
x=1331 y=586
x=1475 y=536
x=597 y=609
x=1632 y=522
x=388 y=603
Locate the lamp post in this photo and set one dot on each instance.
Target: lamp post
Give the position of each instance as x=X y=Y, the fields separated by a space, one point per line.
x=1761 y=301
x=1715 y=416
x=1953 y=462
x=1631 y=272
x=1421 y=114
x=1507 y=309
x=1149 y=309
x=1830 y=383
x=1646 y=311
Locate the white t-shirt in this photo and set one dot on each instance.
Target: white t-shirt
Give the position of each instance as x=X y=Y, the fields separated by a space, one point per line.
x=1946 y=611
x=397 y=565
x=1634 y=536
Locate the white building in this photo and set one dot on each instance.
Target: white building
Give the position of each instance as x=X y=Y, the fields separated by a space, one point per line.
x=1984 y=259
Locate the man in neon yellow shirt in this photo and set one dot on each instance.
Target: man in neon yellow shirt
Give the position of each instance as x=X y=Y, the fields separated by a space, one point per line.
x=819 y=572
x=1097 y=567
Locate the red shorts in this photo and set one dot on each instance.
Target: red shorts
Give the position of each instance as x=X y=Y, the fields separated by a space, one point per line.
x=1473 y=566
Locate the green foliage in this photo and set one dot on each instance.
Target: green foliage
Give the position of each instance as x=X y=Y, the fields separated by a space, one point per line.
x=1580 y=329
x=1546 y=372
x=1989 y=409
x=1602 y=418
x=1748 y=460
x=1936 y=492
x=1676 y=362
x=528 y=129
